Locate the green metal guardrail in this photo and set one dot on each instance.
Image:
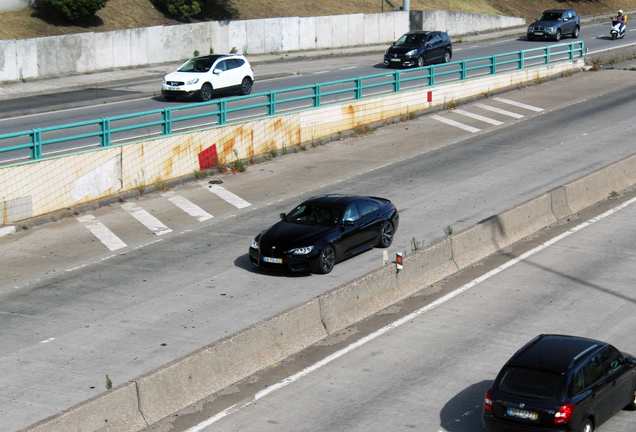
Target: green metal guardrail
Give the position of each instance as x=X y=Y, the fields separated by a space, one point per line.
x=313 y=95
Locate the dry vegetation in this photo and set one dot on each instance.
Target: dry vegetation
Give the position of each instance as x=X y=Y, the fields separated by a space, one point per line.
x=124 y=14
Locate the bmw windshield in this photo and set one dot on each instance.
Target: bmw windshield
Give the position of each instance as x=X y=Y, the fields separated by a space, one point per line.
x=306 y=214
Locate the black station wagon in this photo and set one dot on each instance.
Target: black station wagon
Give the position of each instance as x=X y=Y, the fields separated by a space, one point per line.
x=560 y=383
x=417 y=48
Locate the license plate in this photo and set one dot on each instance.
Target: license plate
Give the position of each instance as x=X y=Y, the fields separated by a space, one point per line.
x=522 y=414
x=273 y=260
x=538 y=33
x=173 y=88
x=396 y=60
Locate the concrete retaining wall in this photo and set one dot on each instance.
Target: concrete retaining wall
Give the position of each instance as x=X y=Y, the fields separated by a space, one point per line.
x=13 y=5
x=204 y=372
x=90 y=52
x=66 y=181
x=460 y=23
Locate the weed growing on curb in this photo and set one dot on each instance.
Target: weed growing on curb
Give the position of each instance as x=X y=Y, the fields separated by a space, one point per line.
x=448 y=231
x=109 y=383
x=284 y=148
x=237 y=164
x=415 y=245
x=141 y=184
x=539 y=81
x=161 y=185
x=200 y=174
x=613 y=194
x=273 y=152
x=303 y=147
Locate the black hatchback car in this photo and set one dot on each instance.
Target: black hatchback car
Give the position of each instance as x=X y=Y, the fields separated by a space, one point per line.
x=324 y=230
x=560 y=383
x=555 y=24
x=418 y=48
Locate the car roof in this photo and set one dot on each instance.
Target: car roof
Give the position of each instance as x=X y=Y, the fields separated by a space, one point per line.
x=555 y=353
x=215 y=57
x=335 y=200
x=419 y=32
x=556 y=10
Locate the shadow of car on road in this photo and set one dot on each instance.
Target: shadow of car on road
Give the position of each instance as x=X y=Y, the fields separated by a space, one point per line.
x=463 y=412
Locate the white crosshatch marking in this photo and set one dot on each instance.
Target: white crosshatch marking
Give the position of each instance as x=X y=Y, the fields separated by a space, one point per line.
x=103 y=234
x=148 y=220
x=188 y=206
x=456 y=124
x=228 y=196
x=519 y=104
x=500 y=111
x=477 y=117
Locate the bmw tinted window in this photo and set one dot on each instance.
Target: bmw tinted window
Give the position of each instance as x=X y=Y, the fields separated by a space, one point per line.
x=367 y=207
x=314 y=215
x=531 y=383
x=351 y=214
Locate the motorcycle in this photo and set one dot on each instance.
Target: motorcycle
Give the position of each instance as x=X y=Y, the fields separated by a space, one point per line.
x=617 y=32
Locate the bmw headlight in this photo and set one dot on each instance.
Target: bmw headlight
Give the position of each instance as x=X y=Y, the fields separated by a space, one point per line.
x=530 y=29
x=411 y=53
x=255 y=244
x=303 y=250
x=193 y=81
x=550 y=29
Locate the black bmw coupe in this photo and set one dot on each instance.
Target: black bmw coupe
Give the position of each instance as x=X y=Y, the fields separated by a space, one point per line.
x=323 y=230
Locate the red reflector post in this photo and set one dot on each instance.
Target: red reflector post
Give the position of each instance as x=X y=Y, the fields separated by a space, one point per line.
x=398 y=261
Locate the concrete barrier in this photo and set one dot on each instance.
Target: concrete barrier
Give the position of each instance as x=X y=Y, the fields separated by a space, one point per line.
x=461 y=23
x=212 y=368
x=359 y=299
x=501 y=230
x=116 y=410
x=591 y=188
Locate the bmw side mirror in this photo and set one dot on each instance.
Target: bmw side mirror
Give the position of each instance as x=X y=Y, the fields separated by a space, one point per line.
x=347 y=223
x=283 y=215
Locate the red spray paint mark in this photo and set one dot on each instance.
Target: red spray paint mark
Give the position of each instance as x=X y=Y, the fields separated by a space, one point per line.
x=208 y=158
x=429 y=97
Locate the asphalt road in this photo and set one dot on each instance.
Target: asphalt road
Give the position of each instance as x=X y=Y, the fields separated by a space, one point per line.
x=428 y=361
x=72 y=311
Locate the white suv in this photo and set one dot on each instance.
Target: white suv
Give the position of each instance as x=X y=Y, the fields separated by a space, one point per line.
x=202 y=75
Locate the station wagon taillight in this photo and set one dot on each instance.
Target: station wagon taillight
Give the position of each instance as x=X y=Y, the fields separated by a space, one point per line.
x=488 y=401
x=564 y=414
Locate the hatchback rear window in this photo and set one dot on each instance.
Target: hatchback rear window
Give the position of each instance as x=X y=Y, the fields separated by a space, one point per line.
x=531 y=383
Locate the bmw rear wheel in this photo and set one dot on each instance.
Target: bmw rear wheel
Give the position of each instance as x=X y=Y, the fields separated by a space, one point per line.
x=206 y=92
x=386 y=237
x=246 y=86
x=326 y=260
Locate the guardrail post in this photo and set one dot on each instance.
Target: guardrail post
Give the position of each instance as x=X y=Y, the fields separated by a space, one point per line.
x=396 y=81
x=357 y=94
x=316 y=98
x=493 y=65
x=36 y=144
x=522 y=60
x=221 y=106
x=166 y=126
x=571 y=51
x=431 y=76
x=462 y=70
x=271 y=103
x=104 y=129
x=546 y=55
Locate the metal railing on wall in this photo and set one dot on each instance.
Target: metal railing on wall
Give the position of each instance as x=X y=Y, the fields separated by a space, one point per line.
x=107 y=131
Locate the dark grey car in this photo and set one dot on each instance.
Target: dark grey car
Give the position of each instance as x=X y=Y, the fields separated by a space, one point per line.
x=555 y=24
x=418 y=47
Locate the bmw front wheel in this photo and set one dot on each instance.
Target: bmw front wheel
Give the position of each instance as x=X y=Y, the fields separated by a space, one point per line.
x=326 y=260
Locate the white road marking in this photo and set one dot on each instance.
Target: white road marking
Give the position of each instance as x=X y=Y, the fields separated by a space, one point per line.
x=518 y=104
x=477 y=117
x=408 y=318
x=455 y=123
x=321 y=72
x=103 y=234
x=148 y=220
x=188 y=206
x=228 y=196
x=499 y=111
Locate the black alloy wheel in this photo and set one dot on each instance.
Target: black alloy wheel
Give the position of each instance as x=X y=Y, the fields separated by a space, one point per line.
x=420 y=61
x=326 y=260
x=206 y=92
x=447 y=56
x=558 y=35
x=386 y=237
x=246 y=86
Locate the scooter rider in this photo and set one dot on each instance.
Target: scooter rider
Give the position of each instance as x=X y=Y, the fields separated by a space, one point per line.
x=621 y=19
